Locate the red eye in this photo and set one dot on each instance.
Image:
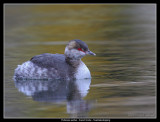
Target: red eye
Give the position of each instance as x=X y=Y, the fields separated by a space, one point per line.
x=80 y=49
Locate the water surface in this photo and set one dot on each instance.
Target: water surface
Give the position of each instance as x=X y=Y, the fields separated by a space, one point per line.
x=123 y=71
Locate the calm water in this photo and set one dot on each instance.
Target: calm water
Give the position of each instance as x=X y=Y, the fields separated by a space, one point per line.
x=123 y=83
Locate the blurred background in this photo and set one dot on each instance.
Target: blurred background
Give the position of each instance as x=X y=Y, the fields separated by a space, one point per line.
x=123 y=36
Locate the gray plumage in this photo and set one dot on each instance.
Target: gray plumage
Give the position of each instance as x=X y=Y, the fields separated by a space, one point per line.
x=56 y=65
x=81 y=44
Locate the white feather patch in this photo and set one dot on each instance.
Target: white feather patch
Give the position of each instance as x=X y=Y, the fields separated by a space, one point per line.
x=82 y=72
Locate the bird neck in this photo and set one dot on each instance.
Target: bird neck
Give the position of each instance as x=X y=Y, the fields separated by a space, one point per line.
x=73 y=62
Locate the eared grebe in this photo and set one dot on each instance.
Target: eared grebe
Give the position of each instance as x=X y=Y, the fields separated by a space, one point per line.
x=57 y=66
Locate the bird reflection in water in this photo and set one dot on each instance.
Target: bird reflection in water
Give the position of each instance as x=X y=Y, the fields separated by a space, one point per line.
x=57 y=91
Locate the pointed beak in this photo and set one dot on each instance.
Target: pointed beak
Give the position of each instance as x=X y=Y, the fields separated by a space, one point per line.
x=90 y=53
